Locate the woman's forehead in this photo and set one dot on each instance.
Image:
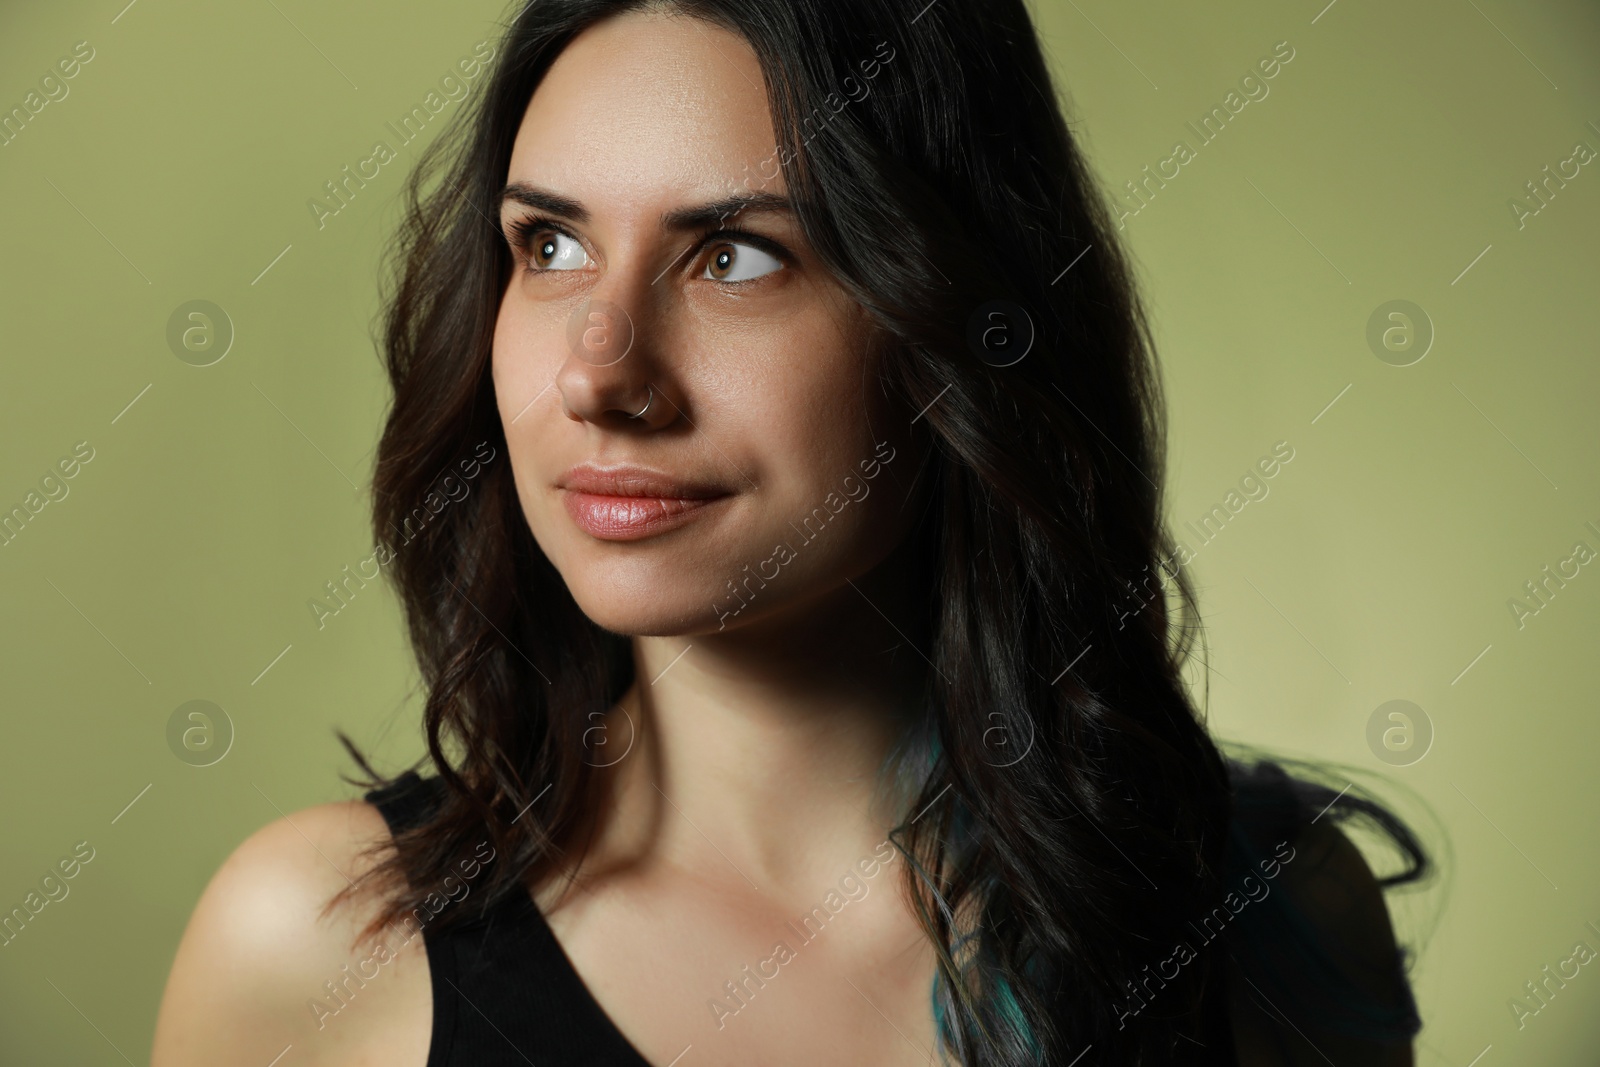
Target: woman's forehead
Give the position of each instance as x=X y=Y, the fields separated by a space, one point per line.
x=648 y=110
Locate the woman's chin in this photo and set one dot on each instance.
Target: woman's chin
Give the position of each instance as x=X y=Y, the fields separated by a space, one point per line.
x=658 y=616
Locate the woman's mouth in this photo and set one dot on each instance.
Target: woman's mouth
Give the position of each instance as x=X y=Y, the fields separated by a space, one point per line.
x=632 y=503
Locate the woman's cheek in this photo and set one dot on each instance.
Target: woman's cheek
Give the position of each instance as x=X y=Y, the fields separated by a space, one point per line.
x=526 y=336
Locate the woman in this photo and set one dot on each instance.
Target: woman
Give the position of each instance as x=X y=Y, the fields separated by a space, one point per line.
x=802 y=685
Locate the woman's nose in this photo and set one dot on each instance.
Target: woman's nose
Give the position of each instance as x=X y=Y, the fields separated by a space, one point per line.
x=611 y=376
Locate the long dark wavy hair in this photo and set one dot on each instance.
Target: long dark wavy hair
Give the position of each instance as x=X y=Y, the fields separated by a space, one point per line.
x=1072 y=818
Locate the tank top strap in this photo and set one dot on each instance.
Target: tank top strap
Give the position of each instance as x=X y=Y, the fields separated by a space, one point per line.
x=1273 y=941
x=407 y=801
x=504 y=990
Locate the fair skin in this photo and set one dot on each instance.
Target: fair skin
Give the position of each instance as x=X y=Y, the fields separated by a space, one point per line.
x=739 y=769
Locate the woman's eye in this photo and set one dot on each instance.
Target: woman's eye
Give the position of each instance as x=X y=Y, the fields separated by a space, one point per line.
x=556 y=251
x=733 y=261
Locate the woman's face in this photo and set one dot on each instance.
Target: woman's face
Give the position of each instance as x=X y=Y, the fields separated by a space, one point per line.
x=766 y=467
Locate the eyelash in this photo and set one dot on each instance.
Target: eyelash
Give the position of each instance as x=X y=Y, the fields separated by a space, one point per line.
x=524 y=229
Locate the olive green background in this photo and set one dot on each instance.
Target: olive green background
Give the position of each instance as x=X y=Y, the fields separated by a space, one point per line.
x=1379 y=566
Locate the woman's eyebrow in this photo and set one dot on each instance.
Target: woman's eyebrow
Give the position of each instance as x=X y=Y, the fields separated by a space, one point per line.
x=684 y=218
x=544 y=200
x=720 y=211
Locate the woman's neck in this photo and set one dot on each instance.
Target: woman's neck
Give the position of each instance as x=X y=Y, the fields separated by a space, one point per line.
x=755 y=753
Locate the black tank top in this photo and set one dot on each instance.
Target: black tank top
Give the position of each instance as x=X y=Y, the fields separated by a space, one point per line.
x=505 y=992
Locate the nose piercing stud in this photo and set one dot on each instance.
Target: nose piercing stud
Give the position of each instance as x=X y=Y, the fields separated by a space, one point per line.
x=650 y=400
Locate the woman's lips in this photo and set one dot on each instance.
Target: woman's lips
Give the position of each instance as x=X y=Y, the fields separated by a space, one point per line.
x=630 y=518
x=629 y=503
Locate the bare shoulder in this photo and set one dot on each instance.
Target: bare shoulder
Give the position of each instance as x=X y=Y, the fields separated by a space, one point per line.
x=1327 y=881
x=264 y=965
